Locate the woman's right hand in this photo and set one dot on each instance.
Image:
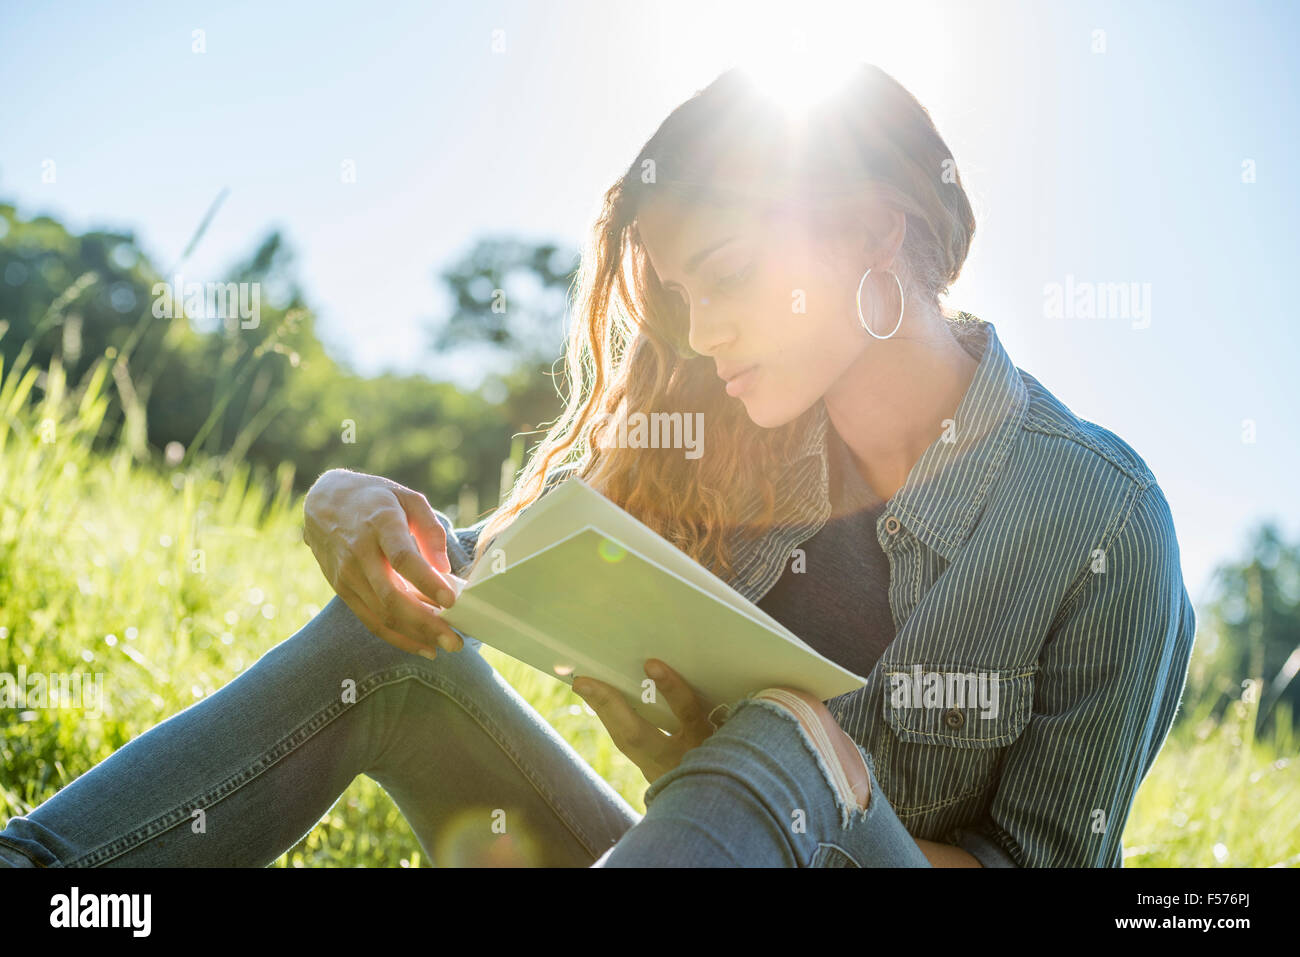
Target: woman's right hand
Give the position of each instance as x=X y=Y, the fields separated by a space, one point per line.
x=385 y=554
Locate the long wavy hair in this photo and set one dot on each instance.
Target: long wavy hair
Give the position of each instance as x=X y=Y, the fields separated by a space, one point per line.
x=627 y=348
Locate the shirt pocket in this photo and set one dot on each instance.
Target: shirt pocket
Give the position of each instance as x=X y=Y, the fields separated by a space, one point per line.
x=942 y=749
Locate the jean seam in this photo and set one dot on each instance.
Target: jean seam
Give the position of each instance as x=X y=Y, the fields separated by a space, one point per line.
x=269 y=758
x=834 y=847
x=165 y=822
x=19 y=850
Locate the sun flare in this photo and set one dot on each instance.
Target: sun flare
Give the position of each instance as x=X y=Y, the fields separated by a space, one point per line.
x=796 y=80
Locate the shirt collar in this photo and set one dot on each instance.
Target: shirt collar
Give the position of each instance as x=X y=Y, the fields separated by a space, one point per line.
x=945 y=491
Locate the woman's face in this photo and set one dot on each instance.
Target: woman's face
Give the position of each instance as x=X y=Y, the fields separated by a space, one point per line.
x=761 y=294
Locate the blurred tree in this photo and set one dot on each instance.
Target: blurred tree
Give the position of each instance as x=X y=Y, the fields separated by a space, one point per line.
x=510 y=295
x=1253 y=623
x=39 y=261
x=511 y=298
x=269 y=392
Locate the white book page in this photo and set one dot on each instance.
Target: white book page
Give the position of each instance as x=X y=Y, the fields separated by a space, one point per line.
x=574 y=505
x=587 y=605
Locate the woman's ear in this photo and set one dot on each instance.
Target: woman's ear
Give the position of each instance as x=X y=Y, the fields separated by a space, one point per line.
x=864 y=231
x=883 y=231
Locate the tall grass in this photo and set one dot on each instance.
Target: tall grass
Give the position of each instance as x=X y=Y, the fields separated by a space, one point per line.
x=1218 y=796
x=171 y=582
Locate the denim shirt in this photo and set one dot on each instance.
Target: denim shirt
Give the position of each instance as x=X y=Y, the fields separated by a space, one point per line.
x=1031 y=553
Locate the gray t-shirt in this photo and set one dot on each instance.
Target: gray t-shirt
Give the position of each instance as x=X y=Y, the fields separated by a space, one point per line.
x=839 y=603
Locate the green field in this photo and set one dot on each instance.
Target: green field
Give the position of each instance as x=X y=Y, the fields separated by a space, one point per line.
x=170 y=583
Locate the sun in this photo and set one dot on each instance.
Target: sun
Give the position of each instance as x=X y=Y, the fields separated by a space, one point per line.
x=800 y=54
x=795 y=79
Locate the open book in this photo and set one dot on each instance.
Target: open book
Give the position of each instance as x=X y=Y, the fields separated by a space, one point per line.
x=577 y=586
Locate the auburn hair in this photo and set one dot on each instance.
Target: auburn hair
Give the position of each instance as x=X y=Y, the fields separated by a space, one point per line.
x=627 y=348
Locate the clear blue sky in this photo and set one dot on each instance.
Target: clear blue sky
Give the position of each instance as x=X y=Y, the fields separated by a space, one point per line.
x=1115 y=166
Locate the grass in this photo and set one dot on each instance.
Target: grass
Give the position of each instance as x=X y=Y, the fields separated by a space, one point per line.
x=1217 y=796
x=171 y=582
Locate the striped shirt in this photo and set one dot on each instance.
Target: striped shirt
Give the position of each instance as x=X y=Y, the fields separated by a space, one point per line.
x=1043 y=630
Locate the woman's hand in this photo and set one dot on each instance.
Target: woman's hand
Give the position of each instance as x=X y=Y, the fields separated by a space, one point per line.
x=650 y=749
x=385 y=554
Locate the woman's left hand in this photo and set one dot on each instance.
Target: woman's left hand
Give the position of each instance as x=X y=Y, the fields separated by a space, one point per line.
x=650 y=749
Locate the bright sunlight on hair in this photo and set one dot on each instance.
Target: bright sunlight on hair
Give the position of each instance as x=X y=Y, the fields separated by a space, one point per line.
x=795 y=78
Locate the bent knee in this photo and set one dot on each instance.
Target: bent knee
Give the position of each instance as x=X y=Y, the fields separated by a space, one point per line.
x=803 y=705
x=848 y=768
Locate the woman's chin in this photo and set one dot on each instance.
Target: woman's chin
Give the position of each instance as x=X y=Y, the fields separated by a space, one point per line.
x=765 y=416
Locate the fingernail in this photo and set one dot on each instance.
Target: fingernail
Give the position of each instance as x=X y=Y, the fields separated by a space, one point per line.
x=426 y=653
x=445 y=598
x=654 y=670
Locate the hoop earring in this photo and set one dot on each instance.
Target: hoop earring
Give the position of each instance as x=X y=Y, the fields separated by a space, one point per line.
x=863 y=321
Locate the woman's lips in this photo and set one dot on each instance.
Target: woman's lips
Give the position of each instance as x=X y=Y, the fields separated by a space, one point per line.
x=740 y=383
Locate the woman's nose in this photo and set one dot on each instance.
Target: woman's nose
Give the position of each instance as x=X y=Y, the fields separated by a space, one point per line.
x=710 y=331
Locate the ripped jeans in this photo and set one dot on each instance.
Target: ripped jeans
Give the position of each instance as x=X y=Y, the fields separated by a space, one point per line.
x=238 y=778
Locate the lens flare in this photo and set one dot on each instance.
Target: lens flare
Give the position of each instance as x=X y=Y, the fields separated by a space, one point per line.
x=796 y=79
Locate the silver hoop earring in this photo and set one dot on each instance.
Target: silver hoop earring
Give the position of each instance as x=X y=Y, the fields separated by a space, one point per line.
x=863 y=321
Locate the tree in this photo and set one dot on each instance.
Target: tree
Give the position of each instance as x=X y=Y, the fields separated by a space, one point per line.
x=268 y=392
x=510 y=295
x=1253 y=622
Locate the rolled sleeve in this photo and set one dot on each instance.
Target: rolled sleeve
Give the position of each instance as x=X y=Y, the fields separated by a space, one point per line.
x=461 y=542
x=1111 y=675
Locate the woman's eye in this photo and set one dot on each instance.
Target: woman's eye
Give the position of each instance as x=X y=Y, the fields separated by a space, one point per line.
x=736 y=278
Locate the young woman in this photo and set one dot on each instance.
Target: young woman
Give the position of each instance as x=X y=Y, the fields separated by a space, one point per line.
x=876 y=474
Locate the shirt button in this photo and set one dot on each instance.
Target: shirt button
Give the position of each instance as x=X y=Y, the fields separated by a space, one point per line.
x=892 y=525
x=954 y=718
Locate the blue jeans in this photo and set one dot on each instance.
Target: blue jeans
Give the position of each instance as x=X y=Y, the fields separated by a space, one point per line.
x=240 y=777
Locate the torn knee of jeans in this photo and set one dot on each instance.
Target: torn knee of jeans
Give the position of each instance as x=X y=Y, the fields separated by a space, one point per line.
x=817 y=737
